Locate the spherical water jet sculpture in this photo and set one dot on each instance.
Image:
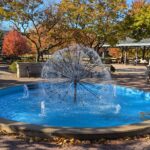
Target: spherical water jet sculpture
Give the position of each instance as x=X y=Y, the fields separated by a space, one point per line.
x=78 y=73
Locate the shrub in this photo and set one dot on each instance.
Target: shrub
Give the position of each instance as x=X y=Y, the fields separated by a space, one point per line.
x=13 y=67
x=106 y=60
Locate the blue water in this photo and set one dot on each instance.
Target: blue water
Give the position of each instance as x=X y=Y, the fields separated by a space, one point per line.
x=96 y=106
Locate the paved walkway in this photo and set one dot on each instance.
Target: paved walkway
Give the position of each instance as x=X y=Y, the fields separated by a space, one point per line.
x=9 y=79
x=125 y=75
x=132 y=76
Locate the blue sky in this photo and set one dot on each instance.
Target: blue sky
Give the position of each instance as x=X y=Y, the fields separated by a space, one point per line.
x=129 y=1
x=5 y=25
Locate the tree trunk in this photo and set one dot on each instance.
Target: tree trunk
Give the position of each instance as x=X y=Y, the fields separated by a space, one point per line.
x=96 y=49
x=125 y=57
x=37 y=56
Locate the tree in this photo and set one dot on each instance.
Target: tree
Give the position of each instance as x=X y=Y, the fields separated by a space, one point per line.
x=5 y=13
x=36 y=22
x=1 y=40
x=1 y=10
x=137 y=21
x=115 y=52
x=93 y=22
x=15 y=44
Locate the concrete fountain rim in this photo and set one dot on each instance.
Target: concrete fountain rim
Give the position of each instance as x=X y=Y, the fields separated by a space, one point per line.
x=26 y=129
x=16 y=127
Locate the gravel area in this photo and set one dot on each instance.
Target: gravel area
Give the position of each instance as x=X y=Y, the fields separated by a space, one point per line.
x=125 y=75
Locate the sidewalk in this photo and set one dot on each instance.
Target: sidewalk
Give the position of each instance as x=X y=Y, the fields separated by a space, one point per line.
x=9 y=79
x=131 y=76
x=122 y=68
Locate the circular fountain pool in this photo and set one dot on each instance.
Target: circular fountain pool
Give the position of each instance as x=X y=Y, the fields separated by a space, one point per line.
x=124 y=108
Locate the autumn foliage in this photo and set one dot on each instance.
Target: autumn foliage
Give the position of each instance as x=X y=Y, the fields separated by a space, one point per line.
x=114 y=52
x=15 y=44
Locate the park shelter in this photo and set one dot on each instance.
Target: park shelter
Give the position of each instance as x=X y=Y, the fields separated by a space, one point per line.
x=127 y=44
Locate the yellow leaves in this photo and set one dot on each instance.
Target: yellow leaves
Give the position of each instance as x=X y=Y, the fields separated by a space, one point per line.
x=142 y=16
x=93 y=18
x=1 y=11
x=72 y=7
x=5 y=14
x=66 y=142
x=10 y=9
x=78 y=12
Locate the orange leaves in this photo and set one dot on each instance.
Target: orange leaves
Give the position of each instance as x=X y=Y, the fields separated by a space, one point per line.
x=137 y=5
x=115 y=52
x=15 y=44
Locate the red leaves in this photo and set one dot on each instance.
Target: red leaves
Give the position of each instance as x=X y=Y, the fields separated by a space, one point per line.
x=15 y=44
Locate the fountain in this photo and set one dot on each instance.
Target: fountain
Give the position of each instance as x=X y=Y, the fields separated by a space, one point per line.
x=77 y=69
x=42 y=105
x=26 y=91
x=76 y=98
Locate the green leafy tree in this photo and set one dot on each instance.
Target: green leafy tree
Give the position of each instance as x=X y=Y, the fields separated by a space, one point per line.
x=1 y=33
x=5 y=13
x=93 y=22
x=137 y=21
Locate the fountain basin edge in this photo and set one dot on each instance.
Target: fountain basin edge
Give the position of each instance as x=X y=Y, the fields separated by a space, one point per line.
x=80 y=133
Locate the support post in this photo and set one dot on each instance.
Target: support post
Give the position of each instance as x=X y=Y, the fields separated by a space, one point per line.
x=125 y=56
x=136 y=56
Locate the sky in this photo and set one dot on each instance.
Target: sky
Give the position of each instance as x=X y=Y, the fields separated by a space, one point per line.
x=129 y=1
x=6 y=25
